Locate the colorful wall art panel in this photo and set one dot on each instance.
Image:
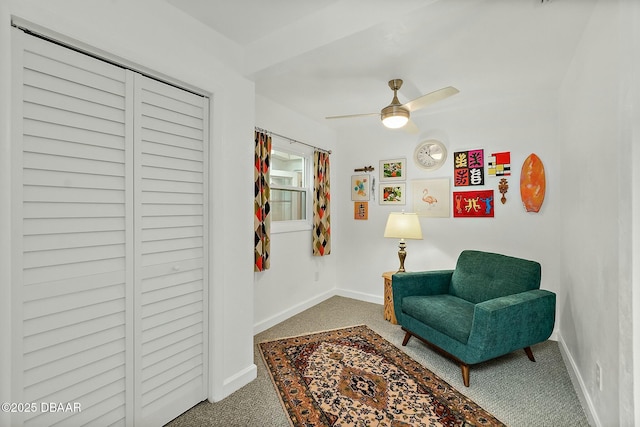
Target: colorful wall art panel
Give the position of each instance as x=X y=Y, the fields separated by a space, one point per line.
x=431 y=197
x=392 y=194
x=499 y=164
x=360 y=187
x=532 y=183
x=473 y=203
x=361 y=210
x=468 y=168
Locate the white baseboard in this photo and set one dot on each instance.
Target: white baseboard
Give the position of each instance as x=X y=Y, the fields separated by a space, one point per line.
x=361 y=296
x=237 y=381
x=292 y=311
x=285 y=314
x=578 y=383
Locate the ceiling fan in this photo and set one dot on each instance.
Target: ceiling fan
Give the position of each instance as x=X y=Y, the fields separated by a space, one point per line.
x=396 y=115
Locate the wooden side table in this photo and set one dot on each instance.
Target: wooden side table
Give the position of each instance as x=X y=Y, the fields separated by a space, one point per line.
x=389 y=312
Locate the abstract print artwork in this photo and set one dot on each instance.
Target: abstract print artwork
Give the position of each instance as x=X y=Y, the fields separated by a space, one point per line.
x=468 y=168
x=473 y=203
x=499 y=164
x=360 y=187
x=261 y=205
x=321 y=204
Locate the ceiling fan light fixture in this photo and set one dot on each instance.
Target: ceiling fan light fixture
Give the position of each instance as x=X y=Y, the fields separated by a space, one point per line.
x=394 y=116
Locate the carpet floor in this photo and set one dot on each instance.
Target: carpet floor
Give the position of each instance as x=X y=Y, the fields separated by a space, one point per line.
x=515 y=390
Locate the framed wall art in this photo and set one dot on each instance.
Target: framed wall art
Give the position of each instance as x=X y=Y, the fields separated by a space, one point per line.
x=431 y=197
x=468 y=168
x=360 y=188
x=473 y=204
x=393 y=170
x=361 y=210
x=499 y=164
x=392 y=193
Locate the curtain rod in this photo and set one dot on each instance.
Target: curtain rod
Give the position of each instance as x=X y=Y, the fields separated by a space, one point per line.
x=291 y=139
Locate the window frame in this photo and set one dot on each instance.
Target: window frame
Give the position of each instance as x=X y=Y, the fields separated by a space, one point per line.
x=288 y=226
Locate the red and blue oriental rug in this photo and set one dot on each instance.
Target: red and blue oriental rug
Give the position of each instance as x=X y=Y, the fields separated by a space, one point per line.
x=354 y=377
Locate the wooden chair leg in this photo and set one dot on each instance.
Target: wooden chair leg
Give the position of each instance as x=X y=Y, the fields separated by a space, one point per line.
x=406 y=338
x=465 y=374
x=529 y=353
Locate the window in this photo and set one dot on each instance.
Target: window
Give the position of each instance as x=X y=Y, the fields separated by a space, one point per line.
x=290 y=180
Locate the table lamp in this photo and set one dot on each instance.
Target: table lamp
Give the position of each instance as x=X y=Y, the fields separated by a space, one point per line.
x=403 y=225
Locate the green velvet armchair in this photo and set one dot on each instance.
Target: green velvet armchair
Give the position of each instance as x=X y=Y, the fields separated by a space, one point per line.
x=490 y=305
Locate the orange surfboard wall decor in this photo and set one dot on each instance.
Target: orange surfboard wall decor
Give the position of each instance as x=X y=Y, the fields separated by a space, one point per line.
x=532 y=183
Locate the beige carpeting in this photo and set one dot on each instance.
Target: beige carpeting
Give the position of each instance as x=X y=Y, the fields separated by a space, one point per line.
x=516 y=391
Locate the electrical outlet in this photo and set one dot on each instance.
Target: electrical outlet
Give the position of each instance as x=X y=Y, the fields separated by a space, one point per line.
x=598 y=376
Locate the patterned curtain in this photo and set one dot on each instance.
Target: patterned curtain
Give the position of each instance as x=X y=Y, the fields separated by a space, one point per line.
x=321 y=205
x=262 y=218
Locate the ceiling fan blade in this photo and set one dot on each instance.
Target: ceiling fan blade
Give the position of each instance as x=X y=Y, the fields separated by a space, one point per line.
x=430 y=98
x=411 y=127
x=348 y=116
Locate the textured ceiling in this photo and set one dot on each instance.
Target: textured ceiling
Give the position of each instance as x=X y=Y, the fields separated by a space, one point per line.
x=333 y=57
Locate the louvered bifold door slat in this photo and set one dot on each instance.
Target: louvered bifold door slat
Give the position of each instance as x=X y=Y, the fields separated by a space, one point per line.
x=73 y=200
x=170 y=217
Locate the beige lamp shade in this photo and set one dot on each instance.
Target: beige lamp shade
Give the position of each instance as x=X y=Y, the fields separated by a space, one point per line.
x=403 y=225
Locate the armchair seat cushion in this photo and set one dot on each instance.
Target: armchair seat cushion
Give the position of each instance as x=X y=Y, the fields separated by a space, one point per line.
x=445 y=313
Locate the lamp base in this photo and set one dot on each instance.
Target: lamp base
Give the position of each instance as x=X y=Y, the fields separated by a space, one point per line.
x=402 y=254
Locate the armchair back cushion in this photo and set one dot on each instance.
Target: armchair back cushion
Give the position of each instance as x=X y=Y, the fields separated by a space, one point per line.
x=481 y=276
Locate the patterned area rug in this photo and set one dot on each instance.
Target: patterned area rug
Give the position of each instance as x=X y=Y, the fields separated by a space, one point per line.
x=354 y=377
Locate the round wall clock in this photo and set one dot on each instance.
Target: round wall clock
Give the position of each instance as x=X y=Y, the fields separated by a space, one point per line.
x=430 y=154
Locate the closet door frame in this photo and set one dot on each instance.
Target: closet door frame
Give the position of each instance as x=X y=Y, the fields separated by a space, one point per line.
x=17 y=283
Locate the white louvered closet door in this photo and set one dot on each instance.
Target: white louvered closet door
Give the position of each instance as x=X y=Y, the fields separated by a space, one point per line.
x=109 y=292
x=170 y=250
x=73 y=294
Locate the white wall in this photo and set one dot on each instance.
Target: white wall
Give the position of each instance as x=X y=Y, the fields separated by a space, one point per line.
x=596 y=115
x=521 y=126
x=296 y=280
x=157 y=37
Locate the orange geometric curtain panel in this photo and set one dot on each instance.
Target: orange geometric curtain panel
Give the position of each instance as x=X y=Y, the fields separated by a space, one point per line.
x=262 y=217
x=321 y=205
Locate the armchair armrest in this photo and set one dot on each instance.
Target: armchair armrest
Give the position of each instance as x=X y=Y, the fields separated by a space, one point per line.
x=513 y=321
x=419 y=283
